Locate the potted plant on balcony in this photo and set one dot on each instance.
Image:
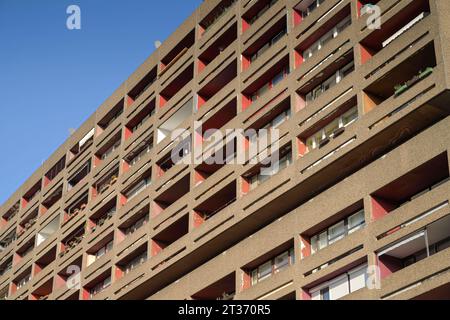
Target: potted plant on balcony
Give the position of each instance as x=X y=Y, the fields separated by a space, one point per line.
x=400 y=88
x=425 y=73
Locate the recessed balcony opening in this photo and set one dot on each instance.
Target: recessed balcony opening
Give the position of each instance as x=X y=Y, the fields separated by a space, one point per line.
x=24 y=251
x=44 y=291
x=44 y=261
x=264 y=43
x=7 y=240
x=328 y=128
x=337 y=227
x=21 y=281
x=320 y=39
x=304 y=9
x=440 y=293
x=169 y=235
x=131 y=262
x=223 y=289
x=68 y=276
x=219 y=119
x=31 y=194
x=100 y=249
x=81 y=146
x=79 y=176
x=172 y=194
x=218 y=12
x=110 y=117
x=53 y=198
x=256 y=11
x=269 y=80
x=108 y=149
x=178 y=51
x=140 y=184
x=134 y=223
x=140 y=119
x=4 y=293
x=403 y=77
x=256 y=176
x=412 y=185
x=416 y=247
x=6 y=266
x=175 y=120
x=176 y=85
x=46 y=232
x=54 y=171
x=217 y=83
x=394 y=28
x=138 y=152
x=10 y=214
x=217 y=47
x=102 y=216
x=72 y=241
x=269 y=264
x=272 y=118
x=205 y=170
x=97 y=286
x=326 y=80
x=27 y=222
x=106 y=182
x=175 y=156
x=338 y=287
x=215 y=203
x=76 y=207
x=142 y=86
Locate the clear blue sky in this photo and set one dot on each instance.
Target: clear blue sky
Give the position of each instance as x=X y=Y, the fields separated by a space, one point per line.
x=53 y=79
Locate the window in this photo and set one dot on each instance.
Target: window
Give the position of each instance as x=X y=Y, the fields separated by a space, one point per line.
x=104 y=250
x=330 y=35
x=136 y=262
x=268 y=86
x=146 y=149
x=137 y=225
x=98 y=288
x=309 y=7
x=332 y=130
x=272 y=266
x=337 y=232
x=23 y=281
x=7 y=266
x=138 y=188
x=262 y=11
x=268 y=45
x=330 y=82
x=110 y=150
x=341 y=286
x=80 y=175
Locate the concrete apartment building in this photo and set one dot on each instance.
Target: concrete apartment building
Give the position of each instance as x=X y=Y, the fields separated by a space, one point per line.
x=363 y=188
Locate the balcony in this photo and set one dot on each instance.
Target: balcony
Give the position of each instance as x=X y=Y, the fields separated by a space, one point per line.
x=102 y=216
x=76 y=208
x=216 y=49
x=79 y=176
x=215 y=15
x=141 y=87
x=51 y=200
x=169 y=193
x=140 y=119
x=72 y=241
x=169 y=235
x=401 y=78
x=76 y=151
x=106 y=182
x=106 y=122
x=215 y=203
x=412 y=185
x=174 y=121
x=224 y=289
x=54 y=172
x=415 y=247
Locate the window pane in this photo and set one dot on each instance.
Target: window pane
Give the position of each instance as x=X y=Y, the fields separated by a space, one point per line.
x=281 y=261
x=356 y=221
x=336 y=232
x=265 y=270
x=339 y=288
x=358 y=280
